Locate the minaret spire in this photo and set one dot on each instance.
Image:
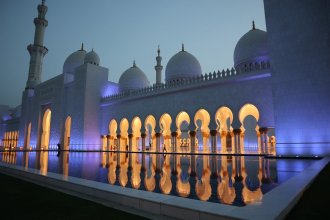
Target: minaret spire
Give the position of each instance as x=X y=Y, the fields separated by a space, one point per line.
x=158 y=68
x=37 y=50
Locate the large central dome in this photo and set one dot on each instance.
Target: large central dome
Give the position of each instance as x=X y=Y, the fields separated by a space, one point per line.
x=182 y=65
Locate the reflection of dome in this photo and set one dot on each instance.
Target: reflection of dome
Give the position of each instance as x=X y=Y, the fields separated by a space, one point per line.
x=182 y=65
x=132 y=79
x=74 y=60
x=251 y=48
x=92 y=58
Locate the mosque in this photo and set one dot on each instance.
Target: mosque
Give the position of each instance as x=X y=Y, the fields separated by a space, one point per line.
x=244 y=109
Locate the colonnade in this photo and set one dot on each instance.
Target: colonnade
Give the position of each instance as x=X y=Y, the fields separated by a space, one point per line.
x=10 y=140
x=198 y=136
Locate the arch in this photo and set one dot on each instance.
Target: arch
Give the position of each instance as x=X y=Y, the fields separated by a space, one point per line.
x=67 y=133
x=113 y=134
x=249 y=130
x=224 y=119
x=203 y=129
x=123 y=144
x=44 y=144
x=246 y=110
x=182 y=122
x=150 y=125
x=136 y=130
x=165 y=122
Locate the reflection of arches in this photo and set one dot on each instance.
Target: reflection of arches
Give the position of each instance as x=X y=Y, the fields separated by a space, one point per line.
x=113 y=133
x=165 y=122
x=165 y=183
x=44 y=144
x=67 y=133
x=123 y=134
x=249 y=127
x=204 y=117
x=224 y=119
x=136 y=130
x=182 y=123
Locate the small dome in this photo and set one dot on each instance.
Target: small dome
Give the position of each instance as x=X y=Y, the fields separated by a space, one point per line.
x=182 y=65
x=251 y=48
x=132 y=79
x=92 y=58
x=73 y=61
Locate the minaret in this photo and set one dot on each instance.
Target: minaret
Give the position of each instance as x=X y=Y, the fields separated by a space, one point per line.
x=158 y=68
x=37 y=50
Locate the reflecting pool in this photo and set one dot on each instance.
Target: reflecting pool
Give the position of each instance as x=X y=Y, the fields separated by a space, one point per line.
x=234 y=180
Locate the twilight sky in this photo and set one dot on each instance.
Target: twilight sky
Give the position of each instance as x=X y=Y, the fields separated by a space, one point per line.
x=121 y=31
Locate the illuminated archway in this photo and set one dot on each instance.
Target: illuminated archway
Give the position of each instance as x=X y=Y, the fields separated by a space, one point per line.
x=123 y=143
x=165 y=122
x=249 y=117
x=136 y=129
x=182 y=124
x=224 y=119
x=67 y=133
x=44 y=144
x=150 y=125
x=203 y=127
x=28 y=137
x=113 y=134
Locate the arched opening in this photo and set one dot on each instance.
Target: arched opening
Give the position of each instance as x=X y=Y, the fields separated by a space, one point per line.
x=67 y=133
x=123 y=143
x=113 y=134
x=165 y=126
x=182 y=124
x=249 y=117
x=150 y=125
x=224 y=119
x=202 y=121
x=44 y=144
x=136 y=129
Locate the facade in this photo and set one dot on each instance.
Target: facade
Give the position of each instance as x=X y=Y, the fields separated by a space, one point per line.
x=238 y=110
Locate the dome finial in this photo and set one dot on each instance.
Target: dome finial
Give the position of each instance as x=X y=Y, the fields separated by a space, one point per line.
x=182 y=49
x=43 y=2
x=82 y=46
x=253 y=25
x=158 y=51
x=134 y=65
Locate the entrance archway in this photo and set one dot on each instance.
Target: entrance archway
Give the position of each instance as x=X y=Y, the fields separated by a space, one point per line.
x=44 y=143
x=113 y=134
x=67 y=133
x=165 y=126
x=203 y=117
x=136 y=130
x=150 y=125
x=224 y=119
x=182 y=124
x=123 y=143
x=249 y=117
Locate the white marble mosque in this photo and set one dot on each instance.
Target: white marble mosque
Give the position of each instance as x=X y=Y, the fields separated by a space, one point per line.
x=236 y=110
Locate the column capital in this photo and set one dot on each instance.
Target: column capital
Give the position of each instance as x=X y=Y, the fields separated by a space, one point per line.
x=237 y=131
x=143 y=135
x=158 y=134
x=130 y=135
x=263 y=130
x=108 y=136
x=213 y=132
x=192 y=133
x=118 y=135
x=174 y=134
